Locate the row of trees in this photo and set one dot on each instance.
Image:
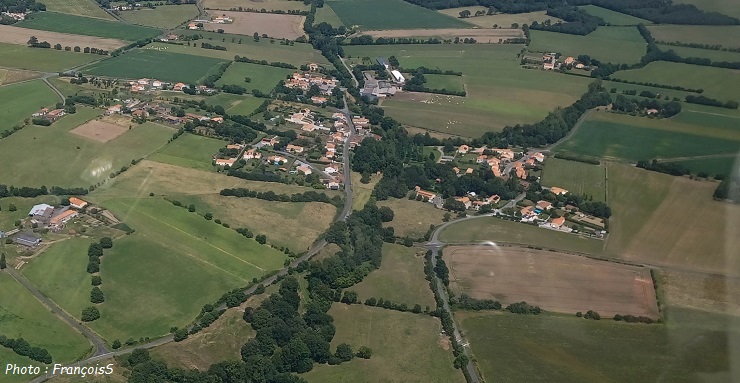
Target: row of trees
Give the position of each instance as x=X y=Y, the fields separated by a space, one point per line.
x=29 y=192
x=309 y=196
x=277 y=64
x=630 y=105
x=21 y=347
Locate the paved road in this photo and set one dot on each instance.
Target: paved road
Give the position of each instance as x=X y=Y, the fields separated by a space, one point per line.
x=98 y=344
x=354 y=79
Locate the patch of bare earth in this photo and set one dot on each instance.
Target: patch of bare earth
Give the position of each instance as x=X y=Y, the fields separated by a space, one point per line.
x=554 y=281
x=16 y=35
x=274 y=25
x=480 y=35
x=99 y=130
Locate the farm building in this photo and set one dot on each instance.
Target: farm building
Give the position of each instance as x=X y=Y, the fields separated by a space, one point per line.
x=26 y=239
x=77 y=203
x=41 y=211
x=63 y=217
x=398 y=76
x=383 y=61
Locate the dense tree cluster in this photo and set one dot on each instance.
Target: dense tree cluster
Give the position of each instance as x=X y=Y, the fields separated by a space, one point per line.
x=469 y=303
x=21 y=347
x=672 y=168
x=523 y=308
x=633 y=319
x=711 y=102
x=210 y=80
x=205 y=45
x=20 y=6
x=630 y=105
x=578 y=21
x=90 y=314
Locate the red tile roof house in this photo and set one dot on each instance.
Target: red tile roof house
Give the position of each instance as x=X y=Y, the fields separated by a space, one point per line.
x=424 y=194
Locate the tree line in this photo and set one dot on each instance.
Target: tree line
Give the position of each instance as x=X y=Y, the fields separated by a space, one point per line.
x=309 y=196
x=21 y=347
x=277 y=64
x=20 y=6
x=30 y=192
x=629 y=105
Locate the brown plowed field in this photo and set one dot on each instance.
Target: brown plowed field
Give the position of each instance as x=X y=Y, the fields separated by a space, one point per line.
x=274 y=25
x=15 y=35
x=554 y=281
x=480 y=35
x=100 y=131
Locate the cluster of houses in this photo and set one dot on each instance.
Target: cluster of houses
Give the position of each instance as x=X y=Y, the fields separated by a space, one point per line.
x=46 y=216
x=304 y=81
x=146 y=85
x=49 y=114
x=501 y=162
x=198 y=23
x=550 y=62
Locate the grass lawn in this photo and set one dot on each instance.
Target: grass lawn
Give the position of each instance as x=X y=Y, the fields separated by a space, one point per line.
x=72 y=160
x=23 y=316
x=500 y=230
x=361 y=192
x=612 y=17
x=87 y=8
x=327 y=15
x=62 y=22
x=703 y=53
x=440 y=81
x=502 y=20
x=638 y=138
x=400 y=278
x=264 y=77
x=577 y=177
x=391 y=14
x=549 y=348
x=724 y=35
x=235 y=104
x=297 y=54
x=163 y=16
x=46 y=60
x=717 y=83
x=412 y=218
x=190 y=151
x=166 y=66
x=19 y=101
x=406 y=348
x=622 y=45
x=9 y=356
x=513 y=96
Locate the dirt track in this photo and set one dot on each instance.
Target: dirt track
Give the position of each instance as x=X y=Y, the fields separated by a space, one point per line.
x=16 y=35
x=274 y=25
x=481 y=35
x=554 y=281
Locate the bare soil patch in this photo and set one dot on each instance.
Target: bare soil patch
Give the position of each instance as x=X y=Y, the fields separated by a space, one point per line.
x=554 y=281
x=15 y=35
x=274 y=25
x=480 y=35
x=100 y=131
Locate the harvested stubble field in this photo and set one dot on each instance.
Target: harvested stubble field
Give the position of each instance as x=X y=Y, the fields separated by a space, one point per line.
x=480 y=35
x=163 y=16
x=274 y=25
x=554 y=281
x=99 y=131
x=10 y=76
x=269 y=5
x=15 y=35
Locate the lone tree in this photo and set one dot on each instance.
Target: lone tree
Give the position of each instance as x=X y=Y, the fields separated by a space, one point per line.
x=344 y=352
x=465 y=14
x=90 y=314
x=364 y=352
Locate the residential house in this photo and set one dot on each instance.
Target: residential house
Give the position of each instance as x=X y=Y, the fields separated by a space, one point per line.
x=235 y=146
x=569 y=60
x=557 y=223
x=493 y=199
x=41 y=113
x=463 y=149
x=313 y=67
x=179 y=87
x=331 y=169
x=544 y=205
x=548 y=61
x=217 y=120
x=305 y=169
x=481 y=159
x=528 y=214
x=115 y=109
x=225 y=161
x=251 y=153
x=294 y=148
x=539 y=157
x=318 y=100
x=192 y=26
x=558 y=191
x=427 y=195
x=63 y=217
x=55 y=114
x=141 y=113
x=271 y=141
x=469 y=171
x=77 y=203
x=465 y=201
x=505 y=154
x=520 y=172
x=360 y=121
x=277 y=160
x=42 y=211
x=580 y=66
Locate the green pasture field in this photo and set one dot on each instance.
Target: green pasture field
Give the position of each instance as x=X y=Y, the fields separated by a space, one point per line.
x=362 y=192
x=45 y=60
x=189 y=150
x=412 y=218
x=270 y=5
x=327 y=15
x=235 y=104
x=23 y=316
x=724 y=35
x=87 y=8
x=9 y=356
x=406 y=348
x=391 y=14
x=717 y=83
x=631 y=138
x=400 y=278
x=163 y=16
x=554 y=348
x=500 y=230
x=622 y=45
x=502 y=20
x=680 y=94
x=166 y=66
x=703 y=53
x=441 y=81
x=20 y=101
x=72 y=160
x=577 y=177
x=712 y=166
x=297 y=54
x=612 y=17
x=264 y=77
x=62 y=22
x=512 y=96
x=727 y=7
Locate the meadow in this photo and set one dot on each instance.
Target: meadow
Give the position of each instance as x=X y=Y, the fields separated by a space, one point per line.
x=703 y=53
x=87 y=8
x=189 y=150
x=165 y=66
x=724 y=35
x=23 y=316
x=10 y=76
x=549 y=348
x=327 y=15
x=235 y=104
x=717 y=83
x=19 y=101
x=163 y=16
x=577 y=177
x=362 y=192
x=513 y=96
x=399 y=279
x=622 y=45
x=45 y=60
x=263 y=77
x=712 y=166
x=487 y=229
x=612 y=17
x=71 y=160
x=391 y=14
x=440 y=81
x=406 y=348
x=501 y=20
x=62 y=22
x=661 y=220
x=631 y=138
x=412 y=218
